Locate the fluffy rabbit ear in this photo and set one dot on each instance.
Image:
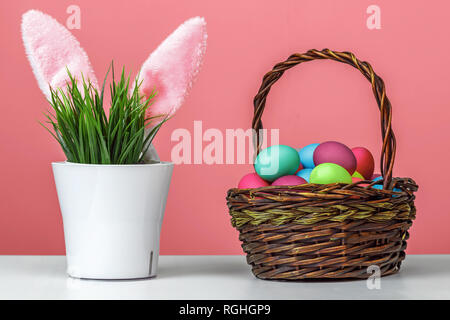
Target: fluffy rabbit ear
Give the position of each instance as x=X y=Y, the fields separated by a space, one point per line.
x=172 y=68
x=51 y=48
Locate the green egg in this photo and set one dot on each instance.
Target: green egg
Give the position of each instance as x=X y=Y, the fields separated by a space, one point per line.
x=326 y=173
x=356 y=174
x=277 y=161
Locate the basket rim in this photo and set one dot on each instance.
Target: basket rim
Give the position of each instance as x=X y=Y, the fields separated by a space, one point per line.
x=312 y=203
x=368 y=185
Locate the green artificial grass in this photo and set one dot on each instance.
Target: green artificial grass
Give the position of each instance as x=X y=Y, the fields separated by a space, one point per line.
x=86 y=135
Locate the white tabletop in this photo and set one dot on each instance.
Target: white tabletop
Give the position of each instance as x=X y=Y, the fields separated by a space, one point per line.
x=215 y=277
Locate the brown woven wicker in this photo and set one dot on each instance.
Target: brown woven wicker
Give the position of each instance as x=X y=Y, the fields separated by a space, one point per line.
x=332 y=231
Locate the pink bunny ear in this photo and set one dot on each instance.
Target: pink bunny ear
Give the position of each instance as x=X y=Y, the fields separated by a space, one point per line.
x=172 y=68
x=51 y=48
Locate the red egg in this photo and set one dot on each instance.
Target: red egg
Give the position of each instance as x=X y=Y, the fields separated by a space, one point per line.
x=300 y=167
x=335 y=152
x=355 y=179
x=252 y=180
x=364 y=162
x=290 y=180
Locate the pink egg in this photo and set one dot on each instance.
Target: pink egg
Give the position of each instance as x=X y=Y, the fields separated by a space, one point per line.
x=354 y=180
x=290 y=180
x=252 y=180
x=364 y=162
x=335 y=152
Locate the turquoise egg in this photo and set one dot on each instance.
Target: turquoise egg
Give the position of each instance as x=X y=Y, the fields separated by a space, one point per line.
x=277 y=161
x=305 y=174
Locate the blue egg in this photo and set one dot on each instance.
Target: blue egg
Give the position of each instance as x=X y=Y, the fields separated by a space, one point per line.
x=305 y=173
x=396 y=190
x=306 y=155
x=380 y=186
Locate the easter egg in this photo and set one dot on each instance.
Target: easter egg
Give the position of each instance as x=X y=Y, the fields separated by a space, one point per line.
x=306 y=155
x=326 y=173
x=277 y=161
x=356 y=174
x=290 y=180
x=356 y=179
x=364 y=162
x=396 y=190
x=304 y=173
x=300 y=167
x=375 y=175
x=380 y=186
x=337 y=153
x=252 y=180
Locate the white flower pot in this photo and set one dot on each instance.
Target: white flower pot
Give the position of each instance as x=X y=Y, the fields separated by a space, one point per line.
x=112 y=217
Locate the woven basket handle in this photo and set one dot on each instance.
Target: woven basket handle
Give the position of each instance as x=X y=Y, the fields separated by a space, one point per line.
x=389 y=145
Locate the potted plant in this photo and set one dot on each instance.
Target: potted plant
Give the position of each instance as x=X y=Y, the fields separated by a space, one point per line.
x=111 y=202
x=113 y=188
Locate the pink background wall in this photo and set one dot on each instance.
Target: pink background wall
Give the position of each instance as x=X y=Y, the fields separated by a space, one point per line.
x=314 y=102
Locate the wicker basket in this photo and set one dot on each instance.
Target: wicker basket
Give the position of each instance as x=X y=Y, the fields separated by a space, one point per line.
x=333 y=231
